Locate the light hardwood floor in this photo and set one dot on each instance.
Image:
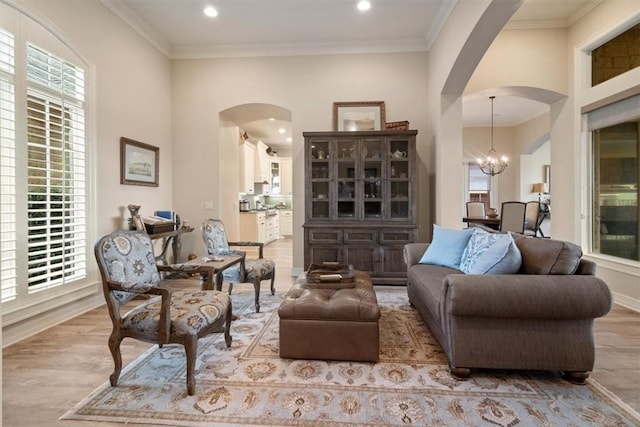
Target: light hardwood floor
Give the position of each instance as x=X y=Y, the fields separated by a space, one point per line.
x=47 y=374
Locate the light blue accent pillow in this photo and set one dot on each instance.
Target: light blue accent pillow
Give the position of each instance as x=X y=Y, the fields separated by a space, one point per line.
x=490 y=253
x=446 y=246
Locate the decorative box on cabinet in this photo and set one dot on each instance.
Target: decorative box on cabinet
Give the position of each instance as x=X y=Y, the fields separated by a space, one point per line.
x=360 y=200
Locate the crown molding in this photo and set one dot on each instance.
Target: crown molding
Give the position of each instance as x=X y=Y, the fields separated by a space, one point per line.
x=532 y=24
x=302 y=49
x=124 y=12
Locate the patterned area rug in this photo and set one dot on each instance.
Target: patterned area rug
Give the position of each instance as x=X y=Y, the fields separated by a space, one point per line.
x=249 y=385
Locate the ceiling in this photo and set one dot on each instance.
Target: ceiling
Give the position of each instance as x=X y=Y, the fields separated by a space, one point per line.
x=293 y=27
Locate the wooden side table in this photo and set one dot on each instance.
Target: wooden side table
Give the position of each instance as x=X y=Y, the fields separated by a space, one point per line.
x=212 y=268
x=173 y=238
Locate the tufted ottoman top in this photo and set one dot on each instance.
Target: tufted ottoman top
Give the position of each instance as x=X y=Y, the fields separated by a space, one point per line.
x=358 y=303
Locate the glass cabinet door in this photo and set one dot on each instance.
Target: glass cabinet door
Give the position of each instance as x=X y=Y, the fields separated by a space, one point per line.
x=320 y=180
x=347 y=152
x=399 y=180
x=372 y=178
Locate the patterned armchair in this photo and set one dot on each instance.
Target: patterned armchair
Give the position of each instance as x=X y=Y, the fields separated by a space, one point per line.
x=255 y=270
x=128 y=268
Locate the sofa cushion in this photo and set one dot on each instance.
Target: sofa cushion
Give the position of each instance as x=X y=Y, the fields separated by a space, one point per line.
x=446 y=246
x=490 y=253
x=547 y=256
x=427 y=280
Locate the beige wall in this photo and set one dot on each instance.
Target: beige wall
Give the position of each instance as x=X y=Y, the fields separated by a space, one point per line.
x=306 y=85
x=129 y=94
x=131 y=85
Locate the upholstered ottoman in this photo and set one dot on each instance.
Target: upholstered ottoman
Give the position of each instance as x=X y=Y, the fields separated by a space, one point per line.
x=330 y=324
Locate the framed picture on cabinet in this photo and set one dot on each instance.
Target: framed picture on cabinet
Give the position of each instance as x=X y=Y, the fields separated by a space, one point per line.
x=139 y=163
x=358 y=116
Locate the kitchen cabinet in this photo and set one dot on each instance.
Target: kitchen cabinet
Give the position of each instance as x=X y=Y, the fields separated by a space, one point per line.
x=286 y=175
x=259 y=226
x=360 y=199
x=275 y=176
x=247 y=167
x=286 y=222
x=262 y=171
x=272 y=227
x=253 y=227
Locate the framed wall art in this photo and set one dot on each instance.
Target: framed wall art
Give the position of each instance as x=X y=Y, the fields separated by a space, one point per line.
x=358 y=116
x=139 y=163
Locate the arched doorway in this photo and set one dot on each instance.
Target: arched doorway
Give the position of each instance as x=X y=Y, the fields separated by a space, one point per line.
x=262 y=178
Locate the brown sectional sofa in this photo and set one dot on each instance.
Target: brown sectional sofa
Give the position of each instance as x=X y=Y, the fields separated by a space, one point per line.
x=541 y=318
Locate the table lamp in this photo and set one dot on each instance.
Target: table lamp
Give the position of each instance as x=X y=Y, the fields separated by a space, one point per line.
x=539 y=187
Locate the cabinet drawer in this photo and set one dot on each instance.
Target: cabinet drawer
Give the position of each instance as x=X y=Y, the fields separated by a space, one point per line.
x=325 y=236
x=397 y=236
x=357 y=236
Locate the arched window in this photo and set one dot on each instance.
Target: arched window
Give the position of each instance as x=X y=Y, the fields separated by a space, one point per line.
x=44 y=163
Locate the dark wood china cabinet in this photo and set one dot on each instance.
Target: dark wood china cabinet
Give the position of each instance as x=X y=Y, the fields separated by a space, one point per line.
x=360 y=200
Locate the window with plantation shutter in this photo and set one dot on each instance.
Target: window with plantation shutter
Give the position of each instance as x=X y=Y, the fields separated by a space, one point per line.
x=43 y=171
x=56 y=172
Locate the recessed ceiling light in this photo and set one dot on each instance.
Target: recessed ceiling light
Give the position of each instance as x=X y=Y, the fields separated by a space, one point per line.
x=271 y=119
x=281 y=130
x=289 y=139
x=364 y=5
x=210 y=11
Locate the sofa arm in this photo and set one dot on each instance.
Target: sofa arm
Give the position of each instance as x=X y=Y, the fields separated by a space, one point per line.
x=413 y=252
x=527 y=296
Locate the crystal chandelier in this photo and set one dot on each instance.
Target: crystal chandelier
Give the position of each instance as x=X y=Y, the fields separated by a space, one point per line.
x=493 y=164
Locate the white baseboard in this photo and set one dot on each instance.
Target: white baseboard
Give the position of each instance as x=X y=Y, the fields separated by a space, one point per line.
x=626 y=301
x=20 y=330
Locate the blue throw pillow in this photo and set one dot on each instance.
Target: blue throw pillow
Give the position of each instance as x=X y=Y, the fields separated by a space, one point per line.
x=491 y=253
x=446 y=246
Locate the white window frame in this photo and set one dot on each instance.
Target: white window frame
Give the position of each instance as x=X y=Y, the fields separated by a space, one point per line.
x=38 y=299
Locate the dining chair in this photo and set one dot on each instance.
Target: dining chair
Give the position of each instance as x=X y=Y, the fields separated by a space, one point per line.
x=476 y=209
x=532 y=218
x=255 y=270
x=512 y=217
x=167 y=314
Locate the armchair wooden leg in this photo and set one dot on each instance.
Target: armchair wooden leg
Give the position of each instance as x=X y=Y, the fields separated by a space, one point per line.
x=230 y=288
x=227 y=325
x=114 y=346
x=191 y=349
x=273 y=279
x=256 y=286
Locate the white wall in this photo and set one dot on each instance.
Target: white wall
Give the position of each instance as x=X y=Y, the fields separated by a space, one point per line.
x=307 y=86
x=532 y=139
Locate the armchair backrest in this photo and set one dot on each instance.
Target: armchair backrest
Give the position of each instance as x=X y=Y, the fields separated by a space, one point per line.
x=127 y=257
x=476 y=209
x=531 y=215
x=512 y=217
x=215 y=237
